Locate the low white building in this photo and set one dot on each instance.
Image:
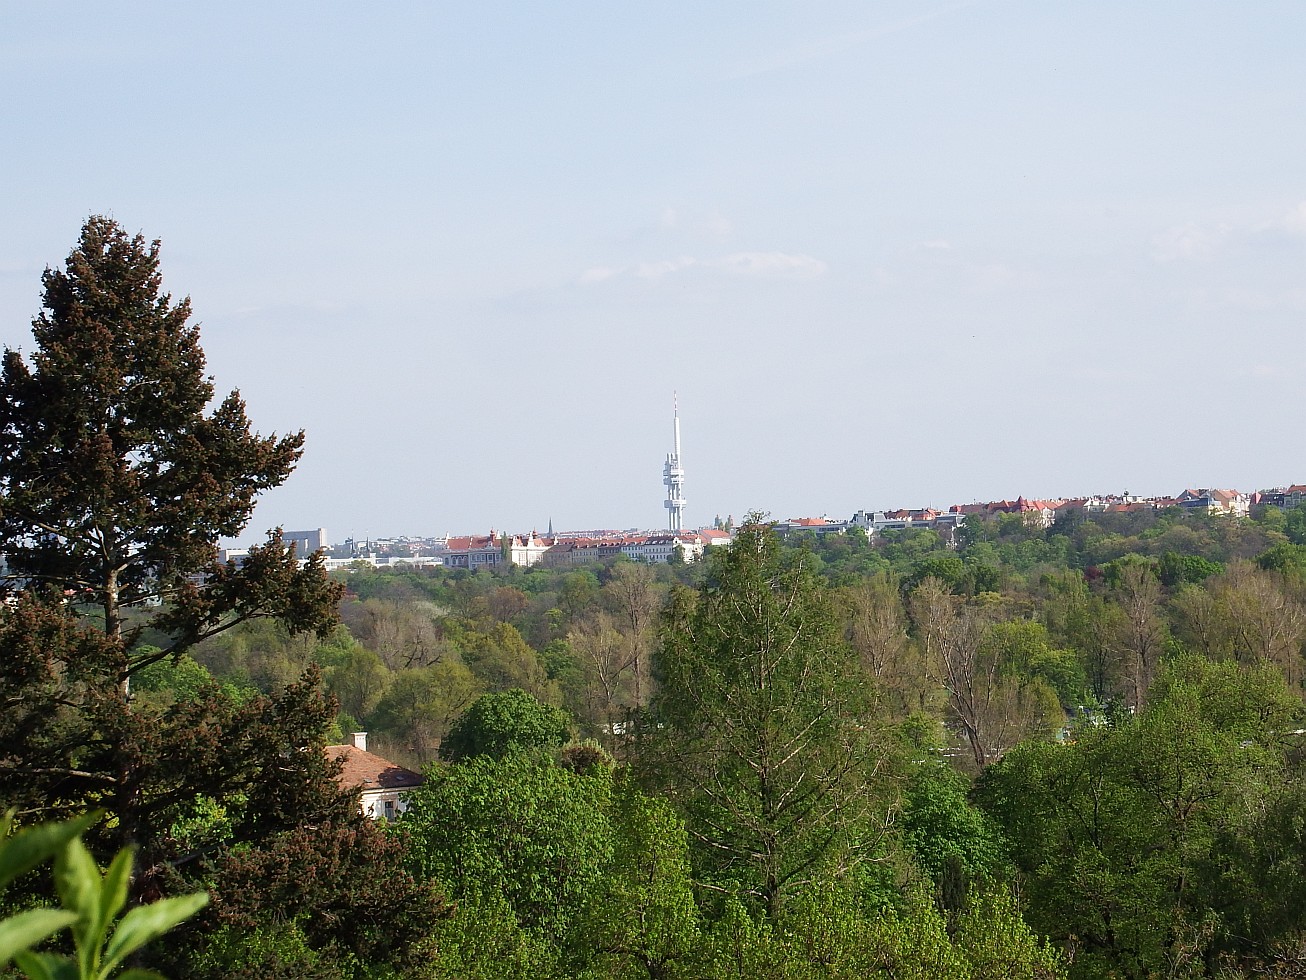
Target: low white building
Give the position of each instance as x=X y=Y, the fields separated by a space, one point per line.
x=1215 y=501
x=383 y=786
x=528 y=549
x=657 y=549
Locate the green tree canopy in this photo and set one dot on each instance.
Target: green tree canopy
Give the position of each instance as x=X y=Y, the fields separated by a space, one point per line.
x=1135 y=840
x=526 y=828
x=1176 y=569
x=504 y=723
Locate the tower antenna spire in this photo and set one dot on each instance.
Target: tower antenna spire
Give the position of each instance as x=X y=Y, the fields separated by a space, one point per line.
x=673 y=473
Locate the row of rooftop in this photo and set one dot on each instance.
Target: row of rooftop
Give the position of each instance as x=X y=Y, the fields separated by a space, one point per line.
x=473 y=551
x=568 y=548
x=1044 y=512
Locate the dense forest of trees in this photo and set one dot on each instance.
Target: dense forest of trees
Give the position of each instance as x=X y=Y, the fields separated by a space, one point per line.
x=1073 y=751
x=1066 y=751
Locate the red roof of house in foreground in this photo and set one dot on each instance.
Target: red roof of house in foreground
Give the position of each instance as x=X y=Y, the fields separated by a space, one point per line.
x=368 y=771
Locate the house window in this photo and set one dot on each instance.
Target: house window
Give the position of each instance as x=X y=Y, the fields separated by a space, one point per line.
x=389 y=809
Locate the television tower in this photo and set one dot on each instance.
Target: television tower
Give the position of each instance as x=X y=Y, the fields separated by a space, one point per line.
x=673 y=476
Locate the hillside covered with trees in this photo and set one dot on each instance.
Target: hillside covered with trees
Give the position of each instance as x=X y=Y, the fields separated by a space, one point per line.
x=1087 y=736
x=1065 y=751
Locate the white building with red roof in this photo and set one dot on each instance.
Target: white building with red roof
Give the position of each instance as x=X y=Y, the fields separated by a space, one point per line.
x=528 y=549
x=383 y=786
x=1215 y=501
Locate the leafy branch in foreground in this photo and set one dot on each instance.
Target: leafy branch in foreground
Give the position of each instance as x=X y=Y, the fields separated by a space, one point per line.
x=19 y=854
x=91 y=903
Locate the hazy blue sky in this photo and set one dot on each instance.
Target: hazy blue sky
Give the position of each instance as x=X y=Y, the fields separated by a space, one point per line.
x=888 y=253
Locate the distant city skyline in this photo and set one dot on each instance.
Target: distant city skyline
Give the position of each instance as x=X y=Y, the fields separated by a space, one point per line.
x=908 y=252
x=1233 y=500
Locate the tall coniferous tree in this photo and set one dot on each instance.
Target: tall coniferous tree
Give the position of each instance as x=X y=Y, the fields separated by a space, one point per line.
x=116 y=482
x=117 y=479
x=766 y=736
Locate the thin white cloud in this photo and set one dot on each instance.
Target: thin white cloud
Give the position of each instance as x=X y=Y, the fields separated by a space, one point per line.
x=768 y=265
x=1294 y=222
x=1292 y=299
x=719 y=226
x=656 y=270
x=771 y=265
x=1196 y=241
x=935 y=245
x=1189 y=242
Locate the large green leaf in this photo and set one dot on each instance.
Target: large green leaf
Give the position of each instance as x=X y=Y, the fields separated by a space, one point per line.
x=113 y=892
x=78 y=880
x=79 y=885
x=147 y=922
x=47 y=966
x=26 y=929
x=32 y=845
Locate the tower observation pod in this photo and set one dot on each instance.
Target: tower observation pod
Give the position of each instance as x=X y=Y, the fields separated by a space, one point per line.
x=673 y=476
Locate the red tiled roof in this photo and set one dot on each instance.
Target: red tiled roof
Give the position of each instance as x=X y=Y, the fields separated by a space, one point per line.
x=368 y=771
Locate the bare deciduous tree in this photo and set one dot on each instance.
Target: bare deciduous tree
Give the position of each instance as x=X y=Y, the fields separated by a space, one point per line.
x=992 y=705
x=1138 y=593
x=403 y=634
x=875 y=626
x=1245 y=614
x=603 y=654
x=632 y=594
